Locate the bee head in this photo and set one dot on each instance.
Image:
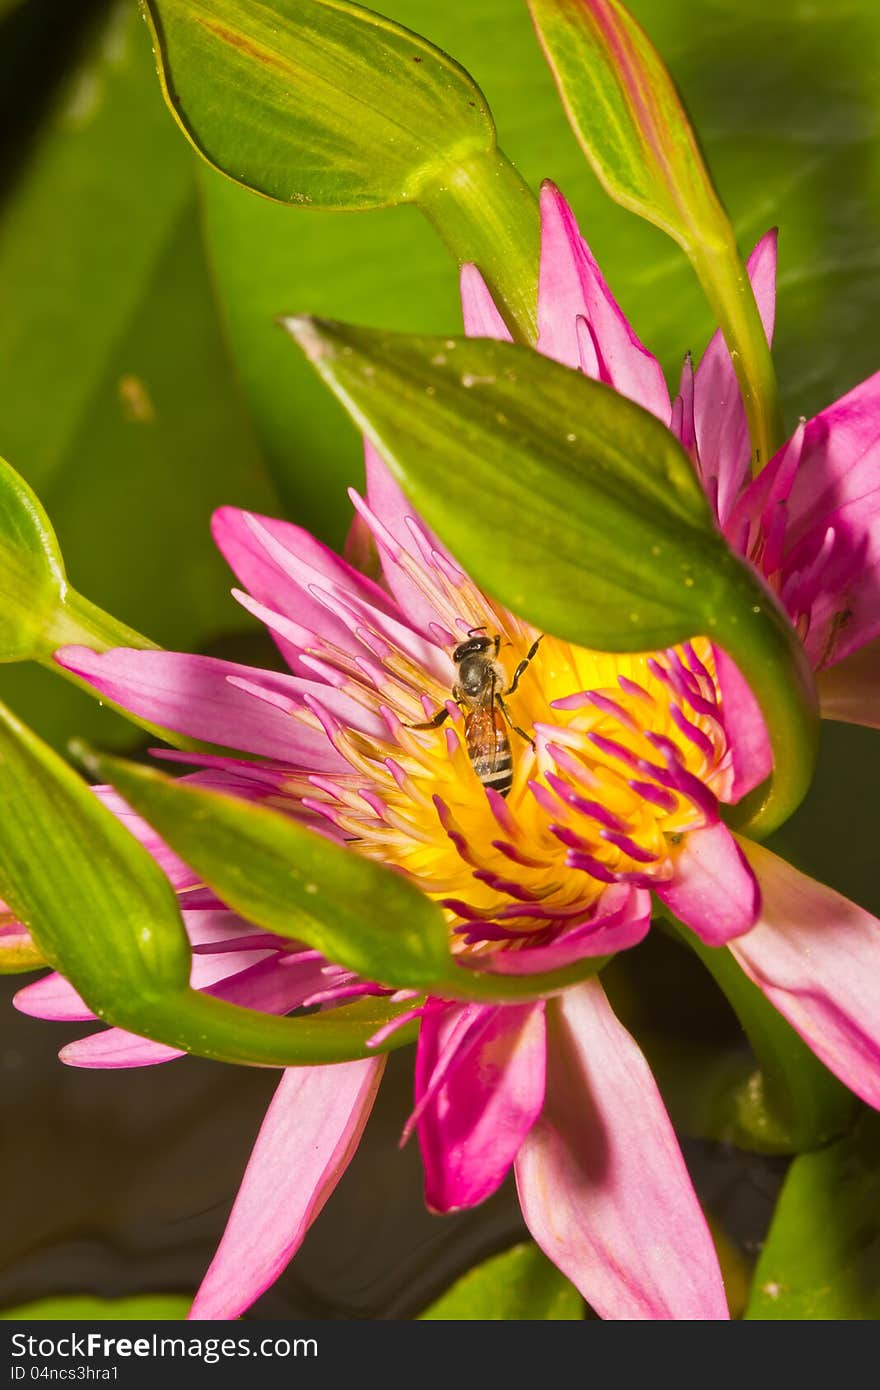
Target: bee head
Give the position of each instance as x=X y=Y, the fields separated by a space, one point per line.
x=476 y=645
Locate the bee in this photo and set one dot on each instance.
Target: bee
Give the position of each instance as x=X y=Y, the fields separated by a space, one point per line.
x=479 y=690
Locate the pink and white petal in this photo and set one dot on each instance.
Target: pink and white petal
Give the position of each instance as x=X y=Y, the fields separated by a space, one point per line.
x=621 y=919
x=850 y=691
x=719 y=418
x=479 y=310
x=281 y=565
x=490 y=1096
x=571 y=285
x=194 y=695
x=602 y=1184
x=305 y=1143
x=713 y=891
x=816 y=956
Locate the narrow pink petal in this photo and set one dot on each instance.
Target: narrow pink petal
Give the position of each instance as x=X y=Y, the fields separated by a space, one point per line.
x=714 y=891
x=816 y=956
x=719 y=418
x=193 y=695
x=255 y=548
x=305 y=1143
x=571 y=285
x=850 y=691
x=749 y=743
x=490 y=1096
x=602 y=1183
x=479 y=311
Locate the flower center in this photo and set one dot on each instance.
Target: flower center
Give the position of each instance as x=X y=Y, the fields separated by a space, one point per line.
x=604 y=762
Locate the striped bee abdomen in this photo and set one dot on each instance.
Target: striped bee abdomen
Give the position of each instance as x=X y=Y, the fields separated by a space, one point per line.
x=489 y=748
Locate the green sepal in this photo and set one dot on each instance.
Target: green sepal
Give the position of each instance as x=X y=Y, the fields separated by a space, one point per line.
x=285 y=877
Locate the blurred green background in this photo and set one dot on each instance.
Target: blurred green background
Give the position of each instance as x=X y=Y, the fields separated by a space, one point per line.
x=143 y=382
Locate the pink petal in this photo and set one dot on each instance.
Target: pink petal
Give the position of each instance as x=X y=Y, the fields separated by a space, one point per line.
x=281 y=565
x=479 y=312
x=824 y=489
x=571 y=285
x=620 y=919
x=816 y=956
x=305 y=1143
x=850 y=691
x=194 y=695
x=719 y=417
x=396 y=516
x=714 y=891
x=490 y=1095
x=53 y=998
x=750 y=751
x=602 y=1183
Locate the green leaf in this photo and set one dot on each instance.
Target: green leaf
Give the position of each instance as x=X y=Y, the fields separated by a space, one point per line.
x=323 y=104
x=821 y=1258
x=104 y=915
x=117 y=400
x=142 y=1307
x=520 y=1285
x=487 y=436
x=32 y=581
x=628 y=116
x=289 y=879
x=576 y=509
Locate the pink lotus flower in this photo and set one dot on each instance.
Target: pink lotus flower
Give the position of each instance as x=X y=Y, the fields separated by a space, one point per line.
x=615 y=793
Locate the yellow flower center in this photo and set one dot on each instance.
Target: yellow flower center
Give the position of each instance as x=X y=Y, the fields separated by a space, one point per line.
x=623 y=755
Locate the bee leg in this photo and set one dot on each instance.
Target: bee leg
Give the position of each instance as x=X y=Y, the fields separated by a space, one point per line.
x=517 y=675
x=516 y=729
x=439 y=718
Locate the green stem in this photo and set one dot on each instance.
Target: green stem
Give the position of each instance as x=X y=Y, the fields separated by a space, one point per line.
x=728 y=289
x=791 y=1102
x=486 y=214
x=759 y=637
x=78 y=621
x=208 y=1027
